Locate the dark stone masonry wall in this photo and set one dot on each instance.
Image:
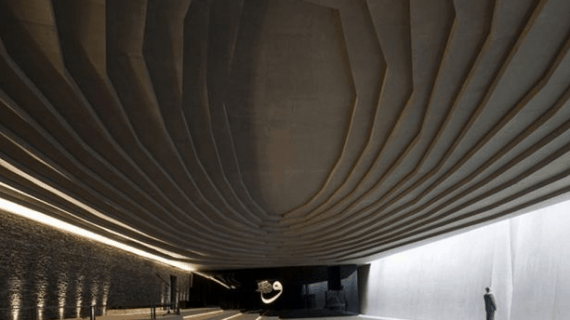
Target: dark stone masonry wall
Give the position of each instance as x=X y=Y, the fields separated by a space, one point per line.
x=42 y=266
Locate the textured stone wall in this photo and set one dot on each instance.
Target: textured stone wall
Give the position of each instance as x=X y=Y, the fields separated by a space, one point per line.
x=43 y=267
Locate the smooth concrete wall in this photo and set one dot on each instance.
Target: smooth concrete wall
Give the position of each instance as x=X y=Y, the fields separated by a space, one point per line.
x=41 y=267
x=525 y=260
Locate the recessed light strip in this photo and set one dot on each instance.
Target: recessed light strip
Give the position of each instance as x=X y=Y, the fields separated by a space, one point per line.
x=166 y=252
x=28 y=213
x=76 y=202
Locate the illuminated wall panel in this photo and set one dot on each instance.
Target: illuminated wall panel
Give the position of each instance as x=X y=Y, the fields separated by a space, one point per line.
x=432 y=281
x=525 y=260
x=542 y=261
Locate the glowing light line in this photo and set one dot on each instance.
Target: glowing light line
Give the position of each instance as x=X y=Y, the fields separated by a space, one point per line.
x=213 y=279
x=235 y=315
x=67 y=227
x=167 y=252
x=57 y=192
x=202 y=314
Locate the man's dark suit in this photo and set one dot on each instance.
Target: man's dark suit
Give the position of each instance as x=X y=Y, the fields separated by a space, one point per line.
x=490 y=306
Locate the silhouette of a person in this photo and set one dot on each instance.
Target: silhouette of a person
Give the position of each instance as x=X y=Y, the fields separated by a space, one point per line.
x=490 y=305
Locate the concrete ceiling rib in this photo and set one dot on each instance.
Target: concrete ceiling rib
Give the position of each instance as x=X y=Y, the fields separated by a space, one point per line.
x=259 y=133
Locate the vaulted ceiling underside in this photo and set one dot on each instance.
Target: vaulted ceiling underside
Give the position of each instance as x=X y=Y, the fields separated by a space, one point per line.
x=250 y=133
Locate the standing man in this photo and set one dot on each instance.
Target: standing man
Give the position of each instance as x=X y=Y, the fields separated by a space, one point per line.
x=490 y=305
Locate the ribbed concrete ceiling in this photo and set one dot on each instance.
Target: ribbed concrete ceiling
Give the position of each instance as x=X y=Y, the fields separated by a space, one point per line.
x=250 y=133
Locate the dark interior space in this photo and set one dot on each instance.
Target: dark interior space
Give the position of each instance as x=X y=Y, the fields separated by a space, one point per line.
x=289 y=292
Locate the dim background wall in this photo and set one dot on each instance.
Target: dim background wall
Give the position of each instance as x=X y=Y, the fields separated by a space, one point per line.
x=42 y=266
x=525 y=260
